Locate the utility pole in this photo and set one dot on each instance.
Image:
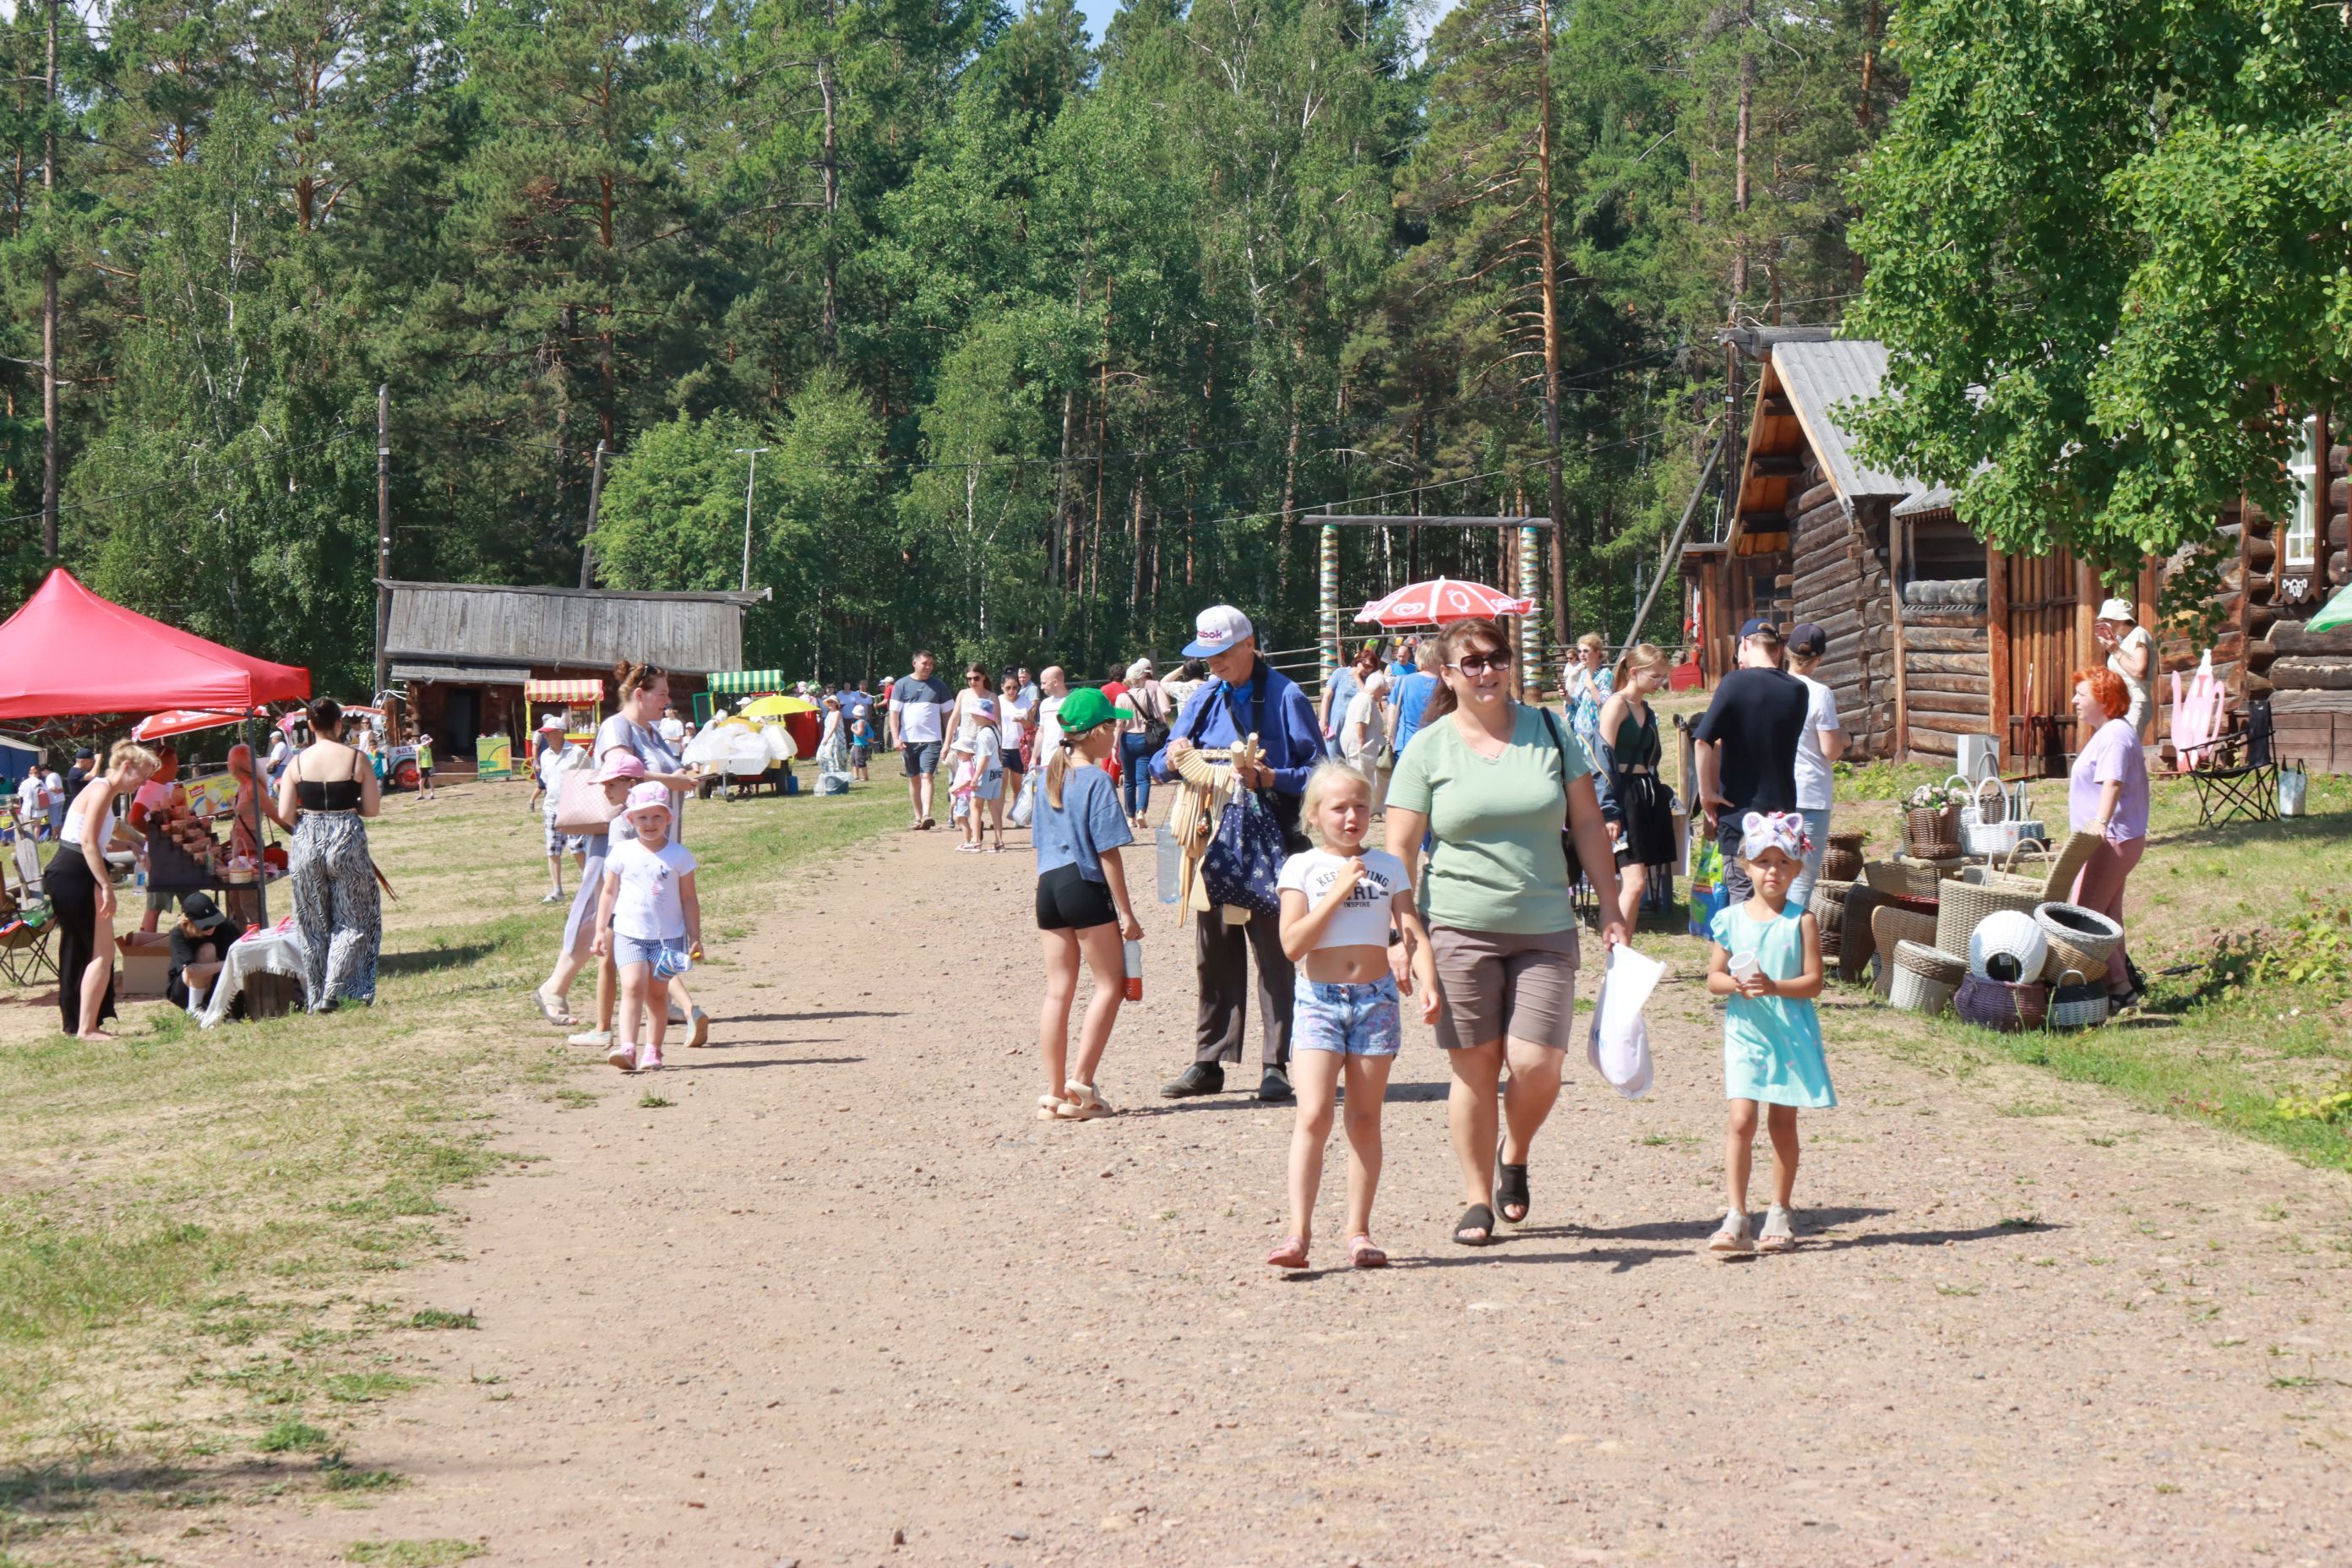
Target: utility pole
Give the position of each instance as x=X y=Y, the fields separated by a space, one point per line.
x=1547 y=259
x=595 y=499
x=49 y=299
x=383 y=532
x=752 y=453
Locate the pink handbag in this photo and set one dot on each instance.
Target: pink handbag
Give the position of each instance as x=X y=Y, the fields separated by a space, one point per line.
x=582 y=807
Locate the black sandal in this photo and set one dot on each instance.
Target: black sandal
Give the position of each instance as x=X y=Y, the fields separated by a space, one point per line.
x=1511 y=1189
x=1477 y=1217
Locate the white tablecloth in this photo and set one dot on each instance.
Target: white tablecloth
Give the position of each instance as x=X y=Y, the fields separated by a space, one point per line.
x=263 y=952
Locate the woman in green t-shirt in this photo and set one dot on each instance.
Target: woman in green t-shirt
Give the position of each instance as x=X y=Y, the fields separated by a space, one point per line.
x=1492 y=781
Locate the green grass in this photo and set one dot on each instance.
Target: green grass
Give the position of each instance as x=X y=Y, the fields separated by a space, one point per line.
x=289 y=1437
x=224 y=1207
x=412 y=1554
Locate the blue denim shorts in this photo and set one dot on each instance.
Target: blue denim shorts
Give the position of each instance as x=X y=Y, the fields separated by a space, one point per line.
x=1350 y=1020
x=628 y=950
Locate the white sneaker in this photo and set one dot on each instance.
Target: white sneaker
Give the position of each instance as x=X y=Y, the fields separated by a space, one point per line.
x=1732 y=1235
x=1780 y=1232
x=596 y=1038
x=623 y=1054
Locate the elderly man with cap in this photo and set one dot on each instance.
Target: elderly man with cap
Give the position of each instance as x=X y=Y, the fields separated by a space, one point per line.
x=1821 y=744
x=1244 y=696
x=1748 y=740
x=2131 y=653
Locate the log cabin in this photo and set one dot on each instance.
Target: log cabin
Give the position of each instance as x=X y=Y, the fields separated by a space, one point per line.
x=1936 y=635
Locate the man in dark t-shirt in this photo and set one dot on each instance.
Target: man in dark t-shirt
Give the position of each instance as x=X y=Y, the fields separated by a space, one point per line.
x=1746 y=752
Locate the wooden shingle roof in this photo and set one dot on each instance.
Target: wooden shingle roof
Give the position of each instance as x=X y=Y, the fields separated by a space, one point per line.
x=466 y=623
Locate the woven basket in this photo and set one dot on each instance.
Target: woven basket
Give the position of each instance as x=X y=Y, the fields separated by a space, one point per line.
x=1912 y=992
x=1932 y=835
x=1931 y=964
x=1914 y=879
x=1889 y=926
x=2006 y=1008
x=1828 y=904
x=2052 y=871
x=2081 y=1006
x=1832 y=945
x=1841 y=861
x=1966 y=900
x=2065 y=956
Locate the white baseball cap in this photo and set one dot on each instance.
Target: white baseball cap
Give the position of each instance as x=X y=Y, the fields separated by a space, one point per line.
x=2118 y=610
x=1216 y=629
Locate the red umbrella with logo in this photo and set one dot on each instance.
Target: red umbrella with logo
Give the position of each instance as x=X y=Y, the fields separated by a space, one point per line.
x=1440 y=600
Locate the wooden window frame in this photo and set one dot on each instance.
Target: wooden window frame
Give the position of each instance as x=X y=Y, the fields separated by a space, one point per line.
x=2305 y=480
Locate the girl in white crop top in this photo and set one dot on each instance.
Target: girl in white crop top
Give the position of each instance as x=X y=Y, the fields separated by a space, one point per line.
x=1340 y=903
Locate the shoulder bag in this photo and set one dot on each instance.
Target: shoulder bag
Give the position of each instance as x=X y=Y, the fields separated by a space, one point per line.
x=1567 y=830
x=581 y=806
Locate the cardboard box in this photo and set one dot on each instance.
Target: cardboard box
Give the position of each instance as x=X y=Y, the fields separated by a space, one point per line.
x=146 y=963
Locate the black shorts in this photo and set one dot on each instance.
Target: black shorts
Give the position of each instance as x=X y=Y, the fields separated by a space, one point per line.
x=1068 y=900
x=921 y=757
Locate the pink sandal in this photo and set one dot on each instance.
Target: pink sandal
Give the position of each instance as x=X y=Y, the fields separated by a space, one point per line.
x=1291 y=1253
x=1363 y=1254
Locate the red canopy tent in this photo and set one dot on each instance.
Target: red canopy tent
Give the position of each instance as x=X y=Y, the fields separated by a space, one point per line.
x=70 y=652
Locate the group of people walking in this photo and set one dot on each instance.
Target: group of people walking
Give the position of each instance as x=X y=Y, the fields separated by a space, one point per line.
x=1478 y=929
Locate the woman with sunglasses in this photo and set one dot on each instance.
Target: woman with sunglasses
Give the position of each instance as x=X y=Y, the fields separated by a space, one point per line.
x=1494 y=782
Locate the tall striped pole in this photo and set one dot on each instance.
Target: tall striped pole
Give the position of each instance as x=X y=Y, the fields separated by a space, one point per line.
x=1329 y=587
x=1531 y=642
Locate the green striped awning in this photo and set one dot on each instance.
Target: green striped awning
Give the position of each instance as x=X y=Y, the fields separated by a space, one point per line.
x=747 y=682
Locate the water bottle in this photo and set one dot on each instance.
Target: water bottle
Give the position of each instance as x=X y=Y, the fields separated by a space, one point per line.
x=1134 y=971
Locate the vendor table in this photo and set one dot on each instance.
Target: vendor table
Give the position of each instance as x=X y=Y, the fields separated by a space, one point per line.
x=276 y=951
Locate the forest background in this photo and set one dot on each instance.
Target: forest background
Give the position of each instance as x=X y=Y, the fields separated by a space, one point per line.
x=1048 y=342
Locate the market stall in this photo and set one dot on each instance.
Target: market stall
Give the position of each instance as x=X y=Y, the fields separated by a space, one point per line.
x=68 y=653
x=581 y=702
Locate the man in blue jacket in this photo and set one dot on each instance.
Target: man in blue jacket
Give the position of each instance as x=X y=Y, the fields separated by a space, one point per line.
x=1244 y=696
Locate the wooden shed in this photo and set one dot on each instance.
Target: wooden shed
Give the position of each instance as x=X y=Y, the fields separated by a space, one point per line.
x=466 y=649
x=1936 y=635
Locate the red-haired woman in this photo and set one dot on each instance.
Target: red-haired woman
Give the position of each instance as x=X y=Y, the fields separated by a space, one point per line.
x=2107 y=794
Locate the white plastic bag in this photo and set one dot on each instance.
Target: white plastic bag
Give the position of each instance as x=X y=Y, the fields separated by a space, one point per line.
x=1024 y=805
x=1619 y=1049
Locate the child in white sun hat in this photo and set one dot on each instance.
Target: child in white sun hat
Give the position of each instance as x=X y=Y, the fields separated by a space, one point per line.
x=651 y=924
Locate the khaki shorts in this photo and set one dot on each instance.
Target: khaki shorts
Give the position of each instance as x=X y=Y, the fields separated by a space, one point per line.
x=1496 y=983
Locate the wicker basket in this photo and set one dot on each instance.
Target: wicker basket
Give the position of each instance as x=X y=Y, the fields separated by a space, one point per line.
x=1828 y=904
x=2052 y=871
x=1841 y=861
x=1966 y=900
x=2065 y=956
x=2081 y=1006
x=1889 y=926
x=1931 y=964
x=1914 y=879
x=1912 y=992
x=1832 y=946
x=1933 y=835
x=2006 y=1008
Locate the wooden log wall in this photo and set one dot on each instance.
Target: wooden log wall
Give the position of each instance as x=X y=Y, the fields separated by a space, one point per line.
x=2308 y=675
x=1947 y=679
x=1838 y=580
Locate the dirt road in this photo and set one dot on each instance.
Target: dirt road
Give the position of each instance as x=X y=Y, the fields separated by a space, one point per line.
x=845 y=1302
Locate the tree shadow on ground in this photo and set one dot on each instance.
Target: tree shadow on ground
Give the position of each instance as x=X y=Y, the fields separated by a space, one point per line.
x=699 y=1065
x=801 y=1017
x=424 y=959
x=55 y=1494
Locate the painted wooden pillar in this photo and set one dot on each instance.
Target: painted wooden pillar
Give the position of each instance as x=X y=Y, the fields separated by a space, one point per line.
x=1531 y=627
x=1998 y=705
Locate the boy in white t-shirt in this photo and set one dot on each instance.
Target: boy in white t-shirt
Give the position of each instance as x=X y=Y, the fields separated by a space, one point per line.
x=1341 y=902
x=551 y=768
x=649 y=924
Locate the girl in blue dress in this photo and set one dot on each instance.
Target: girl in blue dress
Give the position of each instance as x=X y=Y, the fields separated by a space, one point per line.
x=1767 y=959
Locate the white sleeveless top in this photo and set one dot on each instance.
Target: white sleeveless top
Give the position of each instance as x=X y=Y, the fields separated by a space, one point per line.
x=75 y=814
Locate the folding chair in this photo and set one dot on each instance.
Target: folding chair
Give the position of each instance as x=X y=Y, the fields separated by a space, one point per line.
x=25 y=955
x=2229 y=790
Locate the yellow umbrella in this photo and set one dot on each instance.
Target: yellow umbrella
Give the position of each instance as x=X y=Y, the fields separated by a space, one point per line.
x=776 y=707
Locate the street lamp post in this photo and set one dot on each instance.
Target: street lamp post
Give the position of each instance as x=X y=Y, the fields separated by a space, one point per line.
x=750 y=480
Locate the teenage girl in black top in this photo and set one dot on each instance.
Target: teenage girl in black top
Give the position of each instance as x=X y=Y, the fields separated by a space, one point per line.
x=1641 y=814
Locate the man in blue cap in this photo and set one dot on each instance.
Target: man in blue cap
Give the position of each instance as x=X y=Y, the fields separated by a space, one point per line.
x=1244 y=696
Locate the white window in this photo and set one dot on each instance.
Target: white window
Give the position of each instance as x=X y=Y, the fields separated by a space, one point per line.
x=2301 y=551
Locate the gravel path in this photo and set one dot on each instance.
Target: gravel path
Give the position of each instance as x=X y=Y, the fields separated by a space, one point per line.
x=845 y=1301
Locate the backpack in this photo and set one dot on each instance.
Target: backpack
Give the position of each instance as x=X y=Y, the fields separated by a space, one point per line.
x=1243 y=859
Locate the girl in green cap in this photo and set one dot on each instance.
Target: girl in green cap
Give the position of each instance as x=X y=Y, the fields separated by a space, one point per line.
x=1082 y=904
